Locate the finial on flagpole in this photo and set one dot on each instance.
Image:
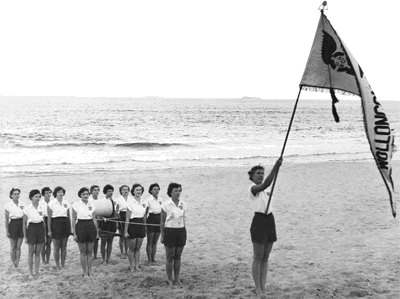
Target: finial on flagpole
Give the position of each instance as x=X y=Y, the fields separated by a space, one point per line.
x=323 y=6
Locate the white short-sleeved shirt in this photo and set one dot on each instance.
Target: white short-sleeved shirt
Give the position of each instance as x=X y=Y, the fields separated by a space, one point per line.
x=175 y=213
x=15 y=211
x=122 y=203
x=43 y=203
x=35 y=215
x=137 y=209
x=59 y=210
x=92 y=200
x=84 y=211
x=260 y=201
x=154 y=204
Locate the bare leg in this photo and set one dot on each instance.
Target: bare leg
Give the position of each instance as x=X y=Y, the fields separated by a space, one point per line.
x=89 y=252
x=258 y=250
x=83 y=258
x=64 y=242
x=170 y=254
x=131 y=248
x=138 y=245
x=154 y=246
x=48 y=248
x=177 y=264
x=110 y=240
x=56 y=249
x=264 y=266
x=31 y=252
x=13 y=251
x=18 y=251
x=95 y=248
x=149 y=246
x=103 y=249
x=38 y=251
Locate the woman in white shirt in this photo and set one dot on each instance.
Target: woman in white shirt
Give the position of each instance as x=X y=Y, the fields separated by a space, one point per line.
x=94 y=195
x=14 y=223
x=154 y=219
x=34 y=230
x=262 y=230
x=46 y=251
x=59 y=223
x=135 y=229
x=173 y=231
x=84 y=228
x=107 y=229
x=122 y=203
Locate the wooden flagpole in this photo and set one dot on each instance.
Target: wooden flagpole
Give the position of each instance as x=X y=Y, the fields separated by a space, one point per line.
x=283 y=149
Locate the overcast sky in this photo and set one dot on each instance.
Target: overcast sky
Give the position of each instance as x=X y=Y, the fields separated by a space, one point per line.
x=186 y=49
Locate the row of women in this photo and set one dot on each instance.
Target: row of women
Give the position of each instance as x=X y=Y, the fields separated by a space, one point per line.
x=47 y=221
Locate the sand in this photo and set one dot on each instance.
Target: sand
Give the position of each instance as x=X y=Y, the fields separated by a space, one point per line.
x=336 y=238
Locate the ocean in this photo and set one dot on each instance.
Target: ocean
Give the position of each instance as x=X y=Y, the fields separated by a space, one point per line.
x=42 y=136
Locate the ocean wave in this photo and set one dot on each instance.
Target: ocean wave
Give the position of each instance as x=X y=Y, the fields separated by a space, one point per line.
x=138 y=145
x=149 y=144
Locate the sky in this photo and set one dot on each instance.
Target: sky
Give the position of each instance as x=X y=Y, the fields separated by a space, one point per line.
x=186 y=49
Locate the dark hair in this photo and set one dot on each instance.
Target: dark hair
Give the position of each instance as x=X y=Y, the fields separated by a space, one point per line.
x=33 y=193
x=107 y=187
x=135 y=186
x=171 y=187
x=122 y=187
x=45 y=189
x=152 y=186
x=83 y=189
x=12 y=191
x=92 y=188
x=253 y=170
x=56 y=189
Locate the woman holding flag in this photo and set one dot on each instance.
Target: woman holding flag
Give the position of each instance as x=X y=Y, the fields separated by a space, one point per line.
x=262 y=230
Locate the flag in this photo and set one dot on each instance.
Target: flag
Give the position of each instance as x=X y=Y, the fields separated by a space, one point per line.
x=331 y=67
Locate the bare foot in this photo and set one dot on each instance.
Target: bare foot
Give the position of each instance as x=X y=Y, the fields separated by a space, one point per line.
x=138 y=269
x=170 y=283
x=178 y=282
x=30 y=276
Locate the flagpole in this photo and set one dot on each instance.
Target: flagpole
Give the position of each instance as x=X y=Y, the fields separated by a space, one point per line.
x=283 y=149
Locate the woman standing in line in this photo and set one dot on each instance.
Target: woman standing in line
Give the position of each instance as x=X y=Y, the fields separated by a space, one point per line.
x=154 y=219
x=94 y=195
x=107 y=229
x=14 y=225
x=135 y=229
x=262 y=230
x=122 y=203
x=46 y=250
x=34 y=231
x=84 y=227
x=173 y=231
x=59 y=224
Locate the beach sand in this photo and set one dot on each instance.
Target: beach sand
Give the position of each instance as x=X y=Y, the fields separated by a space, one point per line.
x=337 y=237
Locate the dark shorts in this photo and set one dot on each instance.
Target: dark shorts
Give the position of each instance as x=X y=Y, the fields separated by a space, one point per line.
x=85 y=231
x=175 y=237
x=121 y=223
x=262 y=228
x=153 y=219
x=35 y=233
x=136 y=230
x=106 y=228
x=15 y=228
x=60 y=227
